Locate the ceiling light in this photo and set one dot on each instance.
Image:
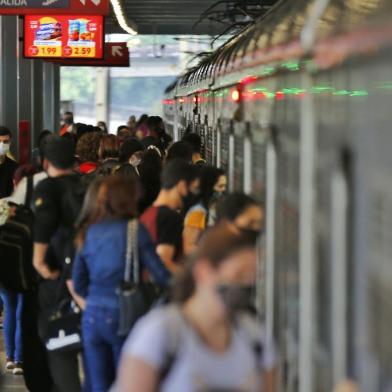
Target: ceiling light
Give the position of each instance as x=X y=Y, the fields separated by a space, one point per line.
x=119 y=12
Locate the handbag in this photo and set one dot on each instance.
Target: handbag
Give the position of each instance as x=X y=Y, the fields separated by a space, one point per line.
x=63 y=332
x=135 y=296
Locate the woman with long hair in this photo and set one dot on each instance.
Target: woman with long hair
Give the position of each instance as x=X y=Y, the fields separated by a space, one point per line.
x=99 y=269
x=207 y=340
x=198 y=216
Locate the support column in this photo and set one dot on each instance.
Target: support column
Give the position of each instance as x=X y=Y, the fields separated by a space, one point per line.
x=51 y=96
x=8 y=76
x=36 y=100
x=102 y=94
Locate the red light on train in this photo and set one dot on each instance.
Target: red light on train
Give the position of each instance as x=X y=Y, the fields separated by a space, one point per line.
x=279 y=95
x=181 y=100
x=235 y=95
x=194 y=99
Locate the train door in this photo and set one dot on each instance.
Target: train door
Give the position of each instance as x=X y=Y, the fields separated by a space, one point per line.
x=239 y=135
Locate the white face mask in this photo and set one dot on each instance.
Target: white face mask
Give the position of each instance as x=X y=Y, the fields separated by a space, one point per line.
x=4 y=148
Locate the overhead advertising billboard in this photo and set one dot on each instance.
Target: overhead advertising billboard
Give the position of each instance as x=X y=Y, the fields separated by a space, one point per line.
x=54 y=7
x=63 y=36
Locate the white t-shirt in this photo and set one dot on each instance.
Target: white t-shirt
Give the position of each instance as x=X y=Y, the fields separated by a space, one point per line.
x=164 y=333
x=19 y=195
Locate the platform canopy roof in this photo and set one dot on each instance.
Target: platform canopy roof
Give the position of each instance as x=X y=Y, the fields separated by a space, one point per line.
x=188 y=16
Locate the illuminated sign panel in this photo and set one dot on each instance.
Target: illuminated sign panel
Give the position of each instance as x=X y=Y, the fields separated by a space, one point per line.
x=63 y=36
x=54 y=7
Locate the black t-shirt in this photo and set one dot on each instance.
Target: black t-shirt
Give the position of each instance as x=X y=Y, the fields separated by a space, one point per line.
x=54 y=225
x=165 y=227
x=53 y=221
x=7 y=171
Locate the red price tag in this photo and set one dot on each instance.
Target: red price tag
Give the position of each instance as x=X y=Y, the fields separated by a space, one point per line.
x=33 y=50
x=67 y=51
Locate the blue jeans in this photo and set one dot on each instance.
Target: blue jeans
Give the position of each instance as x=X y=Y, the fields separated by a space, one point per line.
x=12 y=324
x=102 y=346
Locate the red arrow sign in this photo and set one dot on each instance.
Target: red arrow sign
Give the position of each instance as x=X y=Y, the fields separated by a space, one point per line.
x=54 y=7
x=116 y=55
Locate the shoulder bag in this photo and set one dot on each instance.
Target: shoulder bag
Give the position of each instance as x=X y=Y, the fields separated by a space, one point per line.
x=135 y=296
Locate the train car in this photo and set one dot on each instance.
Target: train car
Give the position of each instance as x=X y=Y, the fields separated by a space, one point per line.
x=297 y=110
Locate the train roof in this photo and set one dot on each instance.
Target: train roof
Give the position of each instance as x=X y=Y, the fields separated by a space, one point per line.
x=278 y=35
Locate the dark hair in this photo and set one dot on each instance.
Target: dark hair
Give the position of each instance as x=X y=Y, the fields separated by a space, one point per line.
x=176 y=171
x=215 y=246
x=105 y=130
x=234 y=205
x=149 y=168
x=126 y=170
x=142 y=119
x=91 y=210
x=22 y=171
x=88 y=146
x=4 y=131
x=81 y=129
x=194 y=140
x=42 y=135
x=209 y=176
x=59 y=151
x=180 y=150
x=121 y=127
x=108 y=147
x=128 y=148
x=115 y=197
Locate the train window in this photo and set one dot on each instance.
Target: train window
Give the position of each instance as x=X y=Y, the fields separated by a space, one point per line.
x=225 y=146
x=231 y=171
x=210 y=146
x=202 y=134
x=258 y=155
x=247 y=162
x=340 y=215
x=238 y=156
x=270 y=217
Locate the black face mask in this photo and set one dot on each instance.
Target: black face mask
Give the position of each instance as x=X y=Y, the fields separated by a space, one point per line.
x=189 y=200
x=237 y=297
x=250 y=233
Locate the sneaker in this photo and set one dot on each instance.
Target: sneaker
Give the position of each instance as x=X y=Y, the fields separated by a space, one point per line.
x=18 y=369
x=9 y=365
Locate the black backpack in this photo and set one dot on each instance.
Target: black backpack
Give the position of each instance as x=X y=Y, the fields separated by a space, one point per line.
x=16 y=247
x=72 y=203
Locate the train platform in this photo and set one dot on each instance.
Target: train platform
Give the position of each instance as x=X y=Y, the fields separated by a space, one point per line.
x=9 y=382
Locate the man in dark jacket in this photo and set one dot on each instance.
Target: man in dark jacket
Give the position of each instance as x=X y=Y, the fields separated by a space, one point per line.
x=7 y=165
x=52 y=232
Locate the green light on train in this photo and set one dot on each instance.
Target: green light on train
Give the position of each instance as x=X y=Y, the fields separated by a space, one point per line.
x=342 y=92
x=321 y=89
x=359 y=93
x=291 y=65
x=268 y=71
x=293 y=91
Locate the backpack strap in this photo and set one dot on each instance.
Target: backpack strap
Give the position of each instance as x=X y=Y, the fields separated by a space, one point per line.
x=149 y=220
x=29 y=191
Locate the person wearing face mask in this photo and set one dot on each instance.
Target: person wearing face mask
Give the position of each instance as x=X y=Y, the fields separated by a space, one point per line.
x=197 y=216
x=7 y=165
x=206 y=340
x=163 y=219
x=68 y=123
x=241 y=213
x=103 y=127
x=220 y=189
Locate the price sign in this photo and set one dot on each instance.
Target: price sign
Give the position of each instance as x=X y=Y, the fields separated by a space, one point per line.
x=63 y=36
